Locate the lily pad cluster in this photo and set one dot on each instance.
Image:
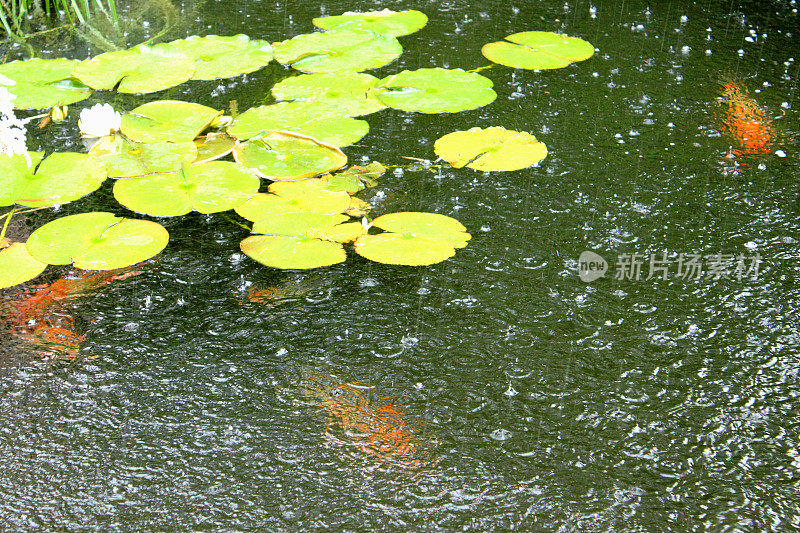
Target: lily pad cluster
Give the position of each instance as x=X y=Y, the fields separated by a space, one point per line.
x=170 y=158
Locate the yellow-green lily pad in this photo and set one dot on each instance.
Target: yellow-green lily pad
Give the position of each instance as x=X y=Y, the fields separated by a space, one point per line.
x=97 y=241
x=44 y=83
x=207 y=188
x=312 y=195
x=287 y=252
x=538 y=50
x=126 y=159
x=395 y=23
x=17 y=266
x=282 y=156
x=435 y=90
x=213 y=146
x=494 y=148
x=355 y=178
x=338 y=50
x=413 y=239
x=167 y=121
x=141 y=69
x=223 y=57
x=60 y=178
x=346 y=92
x=324 y=122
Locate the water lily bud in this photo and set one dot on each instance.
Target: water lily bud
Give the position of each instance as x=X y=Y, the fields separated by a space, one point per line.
x=59 y=114
x=99 y=120
x=221 y=121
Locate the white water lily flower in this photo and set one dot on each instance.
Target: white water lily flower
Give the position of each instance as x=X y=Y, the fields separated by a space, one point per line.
x=99 y=120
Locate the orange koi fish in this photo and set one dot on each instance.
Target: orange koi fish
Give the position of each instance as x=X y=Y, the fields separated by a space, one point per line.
x=36 y=316
x=366 y=423
x=746 y=122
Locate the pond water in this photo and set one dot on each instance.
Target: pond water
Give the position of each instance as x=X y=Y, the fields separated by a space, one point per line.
x=496 y=390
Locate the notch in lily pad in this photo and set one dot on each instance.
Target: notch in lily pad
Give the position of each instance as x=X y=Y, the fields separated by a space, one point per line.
x=338 y=50
x=41 y=83
x=216 y=56
x=413 y=239
x=167 y=121
x=141 y=69
x=301 y=240
x=60 y=178
x=488 y=149
x=390 y=22
x=435 y=90
x=346 y=92
x=207 y=188
x=323 y=121
x=535 y=50
x=97 y=241
x=286 y=156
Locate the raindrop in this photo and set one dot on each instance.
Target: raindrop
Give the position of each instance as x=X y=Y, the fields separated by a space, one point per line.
x=500 y=434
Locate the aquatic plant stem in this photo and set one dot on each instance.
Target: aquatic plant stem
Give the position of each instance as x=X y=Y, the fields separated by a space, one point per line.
x=7 y=222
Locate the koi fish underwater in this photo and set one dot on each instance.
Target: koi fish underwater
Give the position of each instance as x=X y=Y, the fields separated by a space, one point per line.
x=748 y=125
x=367 y=422
x=36 y=315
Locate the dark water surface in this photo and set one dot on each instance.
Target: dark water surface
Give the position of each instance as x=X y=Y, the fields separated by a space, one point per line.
x=543 y=403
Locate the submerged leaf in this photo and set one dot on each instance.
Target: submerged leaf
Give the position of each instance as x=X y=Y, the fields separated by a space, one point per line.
x=44 y=83
x=223 y=57
x=395 y=23
x=283 y=156
x=538 y=50
x=494 y=148
x=167 y=121
x=346 y=92
x=141 y=69
x=125 y=159
x=61 y=178
x=338 y=50
x=17 y=266
x=206 y=188
x=436 y=90
x=324 y=122
x=97 y=241
x=413 y=239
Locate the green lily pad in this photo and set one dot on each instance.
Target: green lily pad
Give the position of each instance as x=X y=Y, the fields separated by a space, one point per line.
x=206 y=188
x=346 y=92
x=223 y=57
x=285 y=156
x=323 y=122
x=312 y=195
x=287 y=252
x=213 y=146
x=413 y=239
x=436 y=90
x=44 y=83
x=300 y=240
x=125 y=159
x=538 y=50
x=395 y=23
x=357 y=207
x=167 y=121
x=338 y=50
x=97 y=241
x=141 y=69
x=61 y=178
x=492 y=148
x=17 y=266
